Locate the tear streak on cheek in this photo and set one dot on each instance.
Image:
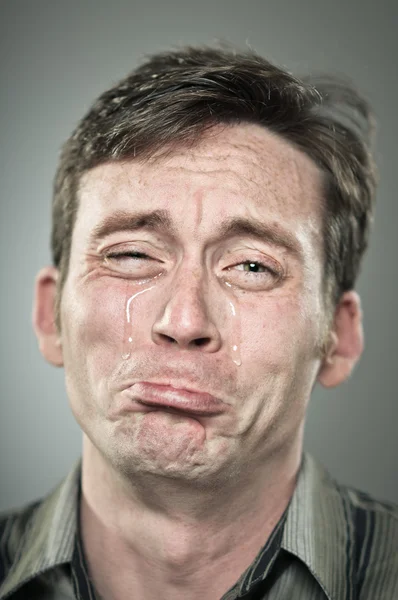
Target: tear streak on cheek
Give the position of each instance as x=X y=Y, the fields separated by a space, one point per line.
x=236 y=329
x=128 y=318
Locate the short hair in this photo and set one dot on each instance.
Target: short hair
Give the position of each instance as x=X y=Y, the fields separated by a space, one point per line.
x=174 y=97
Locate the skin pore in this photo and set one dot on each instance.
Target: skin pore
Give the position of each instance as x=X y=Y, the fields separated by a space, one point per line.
x=179 y=265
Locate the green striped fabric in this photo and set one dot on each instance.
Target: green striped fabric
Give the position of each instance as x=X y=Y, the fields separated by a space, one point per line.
x=332 y=543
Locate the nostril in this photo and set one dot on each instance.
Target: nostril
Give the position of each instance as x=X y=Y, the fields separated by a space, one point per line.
x=167 y=338
x=198 y=342
x=201 y=341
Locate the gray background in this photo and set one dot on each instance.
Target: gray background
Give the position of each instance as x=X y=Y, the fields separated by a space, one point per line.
x=56 y=57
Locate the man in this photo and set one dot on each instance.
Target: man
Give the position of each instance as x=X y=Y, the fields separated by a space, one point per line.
x=210 y=215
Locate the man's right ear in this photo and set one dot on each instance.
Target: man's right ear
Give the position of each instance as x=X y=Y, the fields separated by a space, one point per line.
x=44 y=316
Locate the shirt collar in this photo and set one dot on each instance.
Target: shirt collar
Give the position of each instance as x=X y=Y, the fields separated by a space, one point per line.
x=317 y=531
x=313 y=529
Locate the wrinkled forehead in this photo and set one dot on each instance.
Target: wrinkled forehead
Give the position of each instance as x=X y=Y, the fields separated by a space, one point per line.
x=232 y=169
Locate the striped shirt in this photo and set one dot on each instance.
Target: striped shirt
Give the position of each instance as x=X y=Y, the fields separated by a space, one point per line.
x=332 y=543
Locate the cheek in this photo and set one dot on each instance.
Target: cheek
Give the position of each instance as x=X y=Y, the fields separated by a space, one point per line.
x=93 y=321
x=100 y=319
x=279 y=363
x=281 y=332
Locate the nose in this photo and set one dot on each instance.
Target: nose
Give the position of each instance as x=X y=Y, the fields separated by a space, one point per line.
x=184 y=319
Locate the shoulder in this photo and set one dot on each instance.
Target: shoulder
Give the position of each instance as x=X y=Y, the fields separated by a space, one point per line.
x=14 y=525
x=347 y=537
x=374 y=530
x=39 y=537
x=375 y=521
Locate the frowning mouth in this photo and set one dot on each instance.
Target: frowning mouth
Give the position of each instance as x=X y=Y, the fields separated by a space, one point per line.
x=166 y=397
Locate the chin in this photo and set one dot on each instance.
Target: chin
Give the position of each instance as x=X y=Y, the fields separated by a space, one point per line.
x=202 y=463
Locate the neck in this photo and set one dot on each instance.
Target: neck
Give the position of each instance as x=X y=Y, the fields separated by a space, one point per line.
x=159 y=538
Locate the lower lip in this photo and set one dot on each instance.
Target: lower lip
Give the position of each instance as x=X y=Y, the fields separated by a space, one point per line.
x=151 y=396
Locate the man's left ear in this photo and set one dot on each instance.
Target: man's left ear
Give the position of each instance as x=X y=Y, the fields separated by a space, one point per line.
x=346 y=342
x=44 y=324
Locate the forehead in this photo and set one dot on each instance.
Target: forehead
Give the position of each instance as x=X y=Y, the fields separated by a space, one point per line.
x=242 y=169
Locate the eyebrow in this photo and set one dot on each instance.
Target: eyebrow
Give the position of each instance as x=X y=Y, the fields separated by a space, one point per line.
x=157 y=220
x=160 y=221
x=274 y=234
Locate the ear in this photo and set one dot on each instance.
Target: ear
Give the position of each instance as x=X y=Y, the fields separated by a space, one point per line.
x=346 y=342
x=44 y=316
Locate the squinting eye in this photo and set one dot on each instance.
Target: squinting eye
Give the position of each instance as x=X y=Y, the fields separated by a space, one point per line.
x=126 y=255
x=132 y=264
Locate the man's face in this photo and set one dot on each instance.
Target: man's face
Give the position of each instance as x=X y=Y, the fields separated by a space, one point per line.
x=192 y=312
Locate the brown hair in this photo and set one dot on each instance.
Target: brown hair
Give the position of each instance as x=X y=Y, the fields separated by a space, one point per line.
x=174 y=97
